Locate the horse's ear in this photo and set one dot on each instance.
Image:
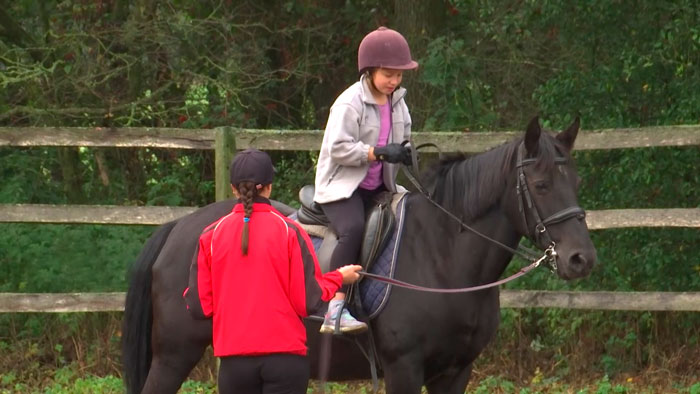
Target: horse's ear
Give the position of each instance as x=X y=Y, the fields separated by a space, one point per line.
x=568 y=136
x=532 y=136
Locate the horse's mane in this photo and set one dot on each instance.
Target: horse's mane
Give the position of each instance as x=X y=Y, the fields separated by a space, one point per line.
x=472 y=185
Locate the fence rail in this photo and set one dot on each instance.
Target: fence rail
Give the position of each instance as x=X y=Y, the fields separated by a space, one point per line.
x=226 y=140
x=310 y=140
x=598 y=300
x=113 y=214
x=90 y=214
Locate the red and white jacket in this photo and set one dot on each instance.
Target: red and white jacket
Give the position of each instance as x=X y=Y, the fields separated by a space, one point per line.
x=257 y=301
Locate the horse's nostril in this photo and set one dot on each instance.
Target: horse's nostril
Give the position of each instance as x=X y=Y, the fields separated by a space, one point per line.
x=578 y=260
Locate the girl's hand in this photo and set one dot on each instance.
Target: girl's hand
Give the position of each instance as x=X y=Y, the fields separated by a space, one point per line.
x=392 y=153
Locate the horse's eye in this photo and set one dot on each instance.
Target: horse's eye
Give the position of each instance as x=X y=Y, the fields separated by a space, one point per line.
x=541 y=186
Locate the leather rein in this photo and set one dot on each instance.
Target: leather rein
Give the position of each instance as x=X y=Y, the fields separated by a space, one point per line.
x=539 y=232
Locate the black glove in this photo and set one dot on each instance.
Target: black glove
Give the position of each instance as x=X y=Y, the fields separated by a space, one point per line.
x=408 y=160
x=392 y=153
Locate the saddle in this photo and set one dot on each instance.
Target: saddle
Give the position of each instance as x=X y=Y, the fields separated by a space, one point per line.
x=379 y=226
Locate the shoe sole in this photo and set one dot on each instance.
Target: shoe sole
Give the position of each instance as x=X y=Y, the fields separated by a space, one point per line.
x=343 y=330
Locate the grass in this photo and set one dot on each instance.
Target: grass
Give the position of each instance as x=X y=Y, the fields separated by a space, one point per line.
x=69 y=380
x=65 y=353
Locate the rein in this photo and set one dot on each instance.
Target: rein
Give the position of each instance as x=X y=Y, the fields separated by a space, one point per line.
x=526 y=253
x=539 y=234
x=549 y=253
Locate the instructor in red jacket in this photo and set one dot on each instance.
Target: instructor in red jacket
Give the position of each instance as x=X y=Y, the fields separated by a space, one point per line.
x=257 y=276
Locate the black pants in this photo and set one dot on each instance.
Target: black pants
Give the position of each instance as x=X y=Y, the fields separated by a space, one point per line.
x=347 y=220
x=268 y=374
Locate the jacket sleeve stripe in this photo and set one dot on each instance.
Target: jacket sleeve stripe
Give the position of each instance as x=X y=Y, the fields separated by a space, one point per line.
x=318 y=288
x=216 y=226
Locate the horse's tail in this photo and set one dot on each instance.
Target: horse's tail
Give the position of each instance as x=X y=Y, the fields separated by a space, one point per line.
x=138 y=313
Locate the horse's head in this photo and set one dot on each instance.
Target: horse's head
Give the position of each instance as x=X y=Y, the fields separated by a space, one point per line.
x=543 y=204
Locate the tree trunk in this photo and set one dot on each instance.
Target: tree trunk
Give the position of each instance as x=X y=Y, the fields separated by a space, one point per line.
x=14 y=33
x=420 y=21
x=69 y=160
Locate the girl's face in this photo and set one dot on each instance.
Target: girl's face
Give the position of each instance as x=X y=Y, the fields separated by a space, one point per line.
x=386 y=80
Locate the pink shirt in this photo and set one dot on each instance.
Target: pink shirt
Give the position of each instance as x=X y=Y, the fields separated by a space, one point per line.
x=373 y=179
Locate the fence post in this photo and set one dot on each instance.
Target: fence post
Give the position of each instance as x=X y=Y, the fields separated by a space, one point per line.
x=224 y=149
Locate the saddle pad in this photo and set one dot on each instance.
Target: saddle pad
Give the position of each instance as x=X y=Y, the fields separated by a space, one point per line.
x=373 y=294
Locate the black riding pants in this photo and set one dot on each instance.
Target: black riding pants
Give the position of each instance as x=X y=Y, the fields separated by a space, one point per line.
x=269 y=374
x=347 y=220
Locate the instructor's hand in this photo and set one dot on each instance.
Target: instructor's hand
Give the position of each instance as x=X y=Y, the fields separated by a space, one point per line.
x=350 y=273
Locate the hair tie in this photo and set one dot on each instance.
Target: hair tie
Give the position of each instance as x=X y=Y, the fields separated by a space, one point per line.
x=246 y=220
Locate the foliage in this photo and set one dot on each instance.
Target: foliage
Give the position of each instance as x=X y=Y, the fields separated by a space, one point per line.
x=67 y=258
x=629 y=75
x=617 y=64
x=450 y=76
x=489 y=66
x=293 y=171
x=187 y=63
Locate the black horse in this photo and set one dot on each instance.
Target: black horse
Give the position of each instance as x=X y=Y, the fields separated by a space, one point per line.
x=422 y=338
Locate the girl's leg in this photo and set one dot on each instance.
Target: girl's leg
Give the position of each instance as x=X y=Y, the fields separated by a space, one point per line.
x=347 y=220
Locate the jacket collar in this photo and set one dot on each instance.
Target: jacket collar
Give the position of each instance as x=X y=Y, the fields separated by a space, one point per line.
x=259 y=204
x=368 y=98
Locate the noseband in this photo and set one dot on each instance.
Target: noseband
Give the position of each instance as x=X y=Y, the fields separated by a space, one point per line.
x=538 y=233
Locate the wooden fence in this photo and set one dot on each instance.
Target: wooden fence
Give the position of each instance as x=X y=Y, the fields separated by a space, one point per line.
x=226 y=140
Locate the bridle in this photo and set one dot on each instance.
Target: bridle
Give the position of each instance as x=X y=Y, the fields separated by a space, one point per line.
x=538 y=233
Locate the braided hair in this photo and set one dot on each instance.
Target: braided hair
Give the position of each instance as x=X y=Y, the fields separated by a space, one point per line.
x=247 y=192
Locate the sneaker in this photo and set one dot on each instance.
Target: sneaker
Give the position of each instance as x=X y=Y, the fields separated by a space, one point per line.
x=348 y=324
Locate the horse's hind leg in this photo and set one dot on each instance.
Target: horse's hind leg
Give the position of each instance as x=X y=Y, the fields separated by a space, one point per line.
x=450 y=382
x=177 y=347
x=169 y=368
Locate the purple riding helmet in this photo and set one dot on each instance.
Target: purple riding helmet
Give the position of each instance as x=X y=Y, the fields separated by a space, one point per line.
x=384 y=48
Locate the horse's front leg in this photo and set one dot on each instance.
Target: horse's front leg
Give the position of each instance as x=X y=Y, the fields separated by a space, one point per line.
x=404 y=374
x=452 y=381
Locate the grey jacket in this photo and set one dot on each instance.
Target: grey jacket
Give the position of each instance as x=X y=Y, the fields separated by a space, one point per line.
x=353 y=126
